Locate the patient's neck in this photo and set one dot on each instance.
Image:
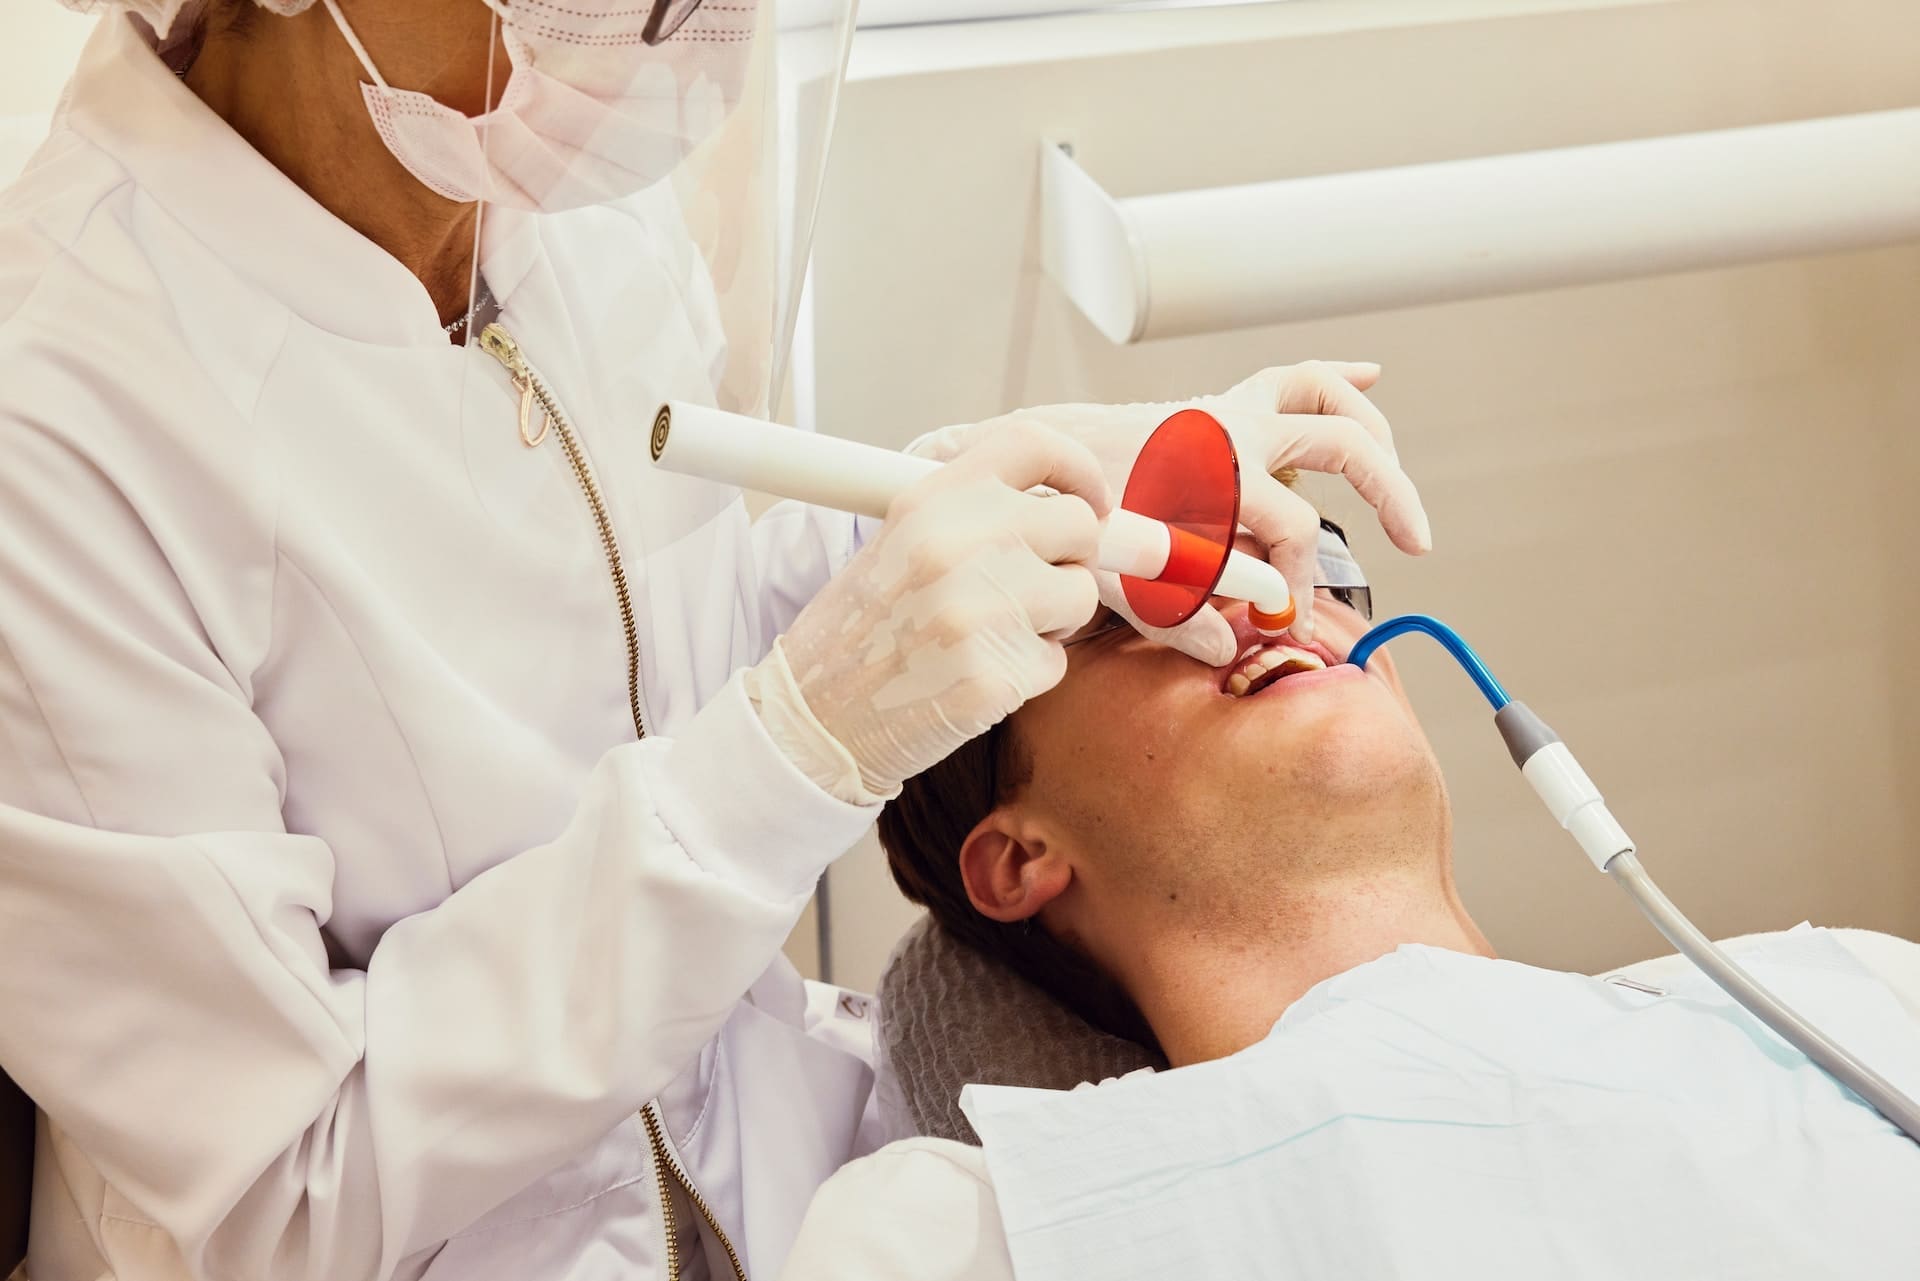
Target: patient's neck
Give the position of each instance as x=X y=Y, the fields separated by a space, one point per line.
x=1209 y=995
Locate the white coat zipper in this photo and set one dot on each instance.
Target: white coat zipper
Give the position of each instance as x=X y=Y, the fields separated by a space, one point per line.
x=664 y=1159
x=499 y=344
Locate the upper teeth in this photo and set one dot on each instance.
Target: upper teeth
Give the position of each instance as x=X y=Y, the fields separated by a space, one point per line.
x=1266 y=659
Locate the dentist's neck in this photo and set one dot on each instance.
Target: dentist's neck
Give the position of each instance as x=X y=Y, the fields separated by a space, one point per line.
x=291 y=88
x=1208 y=997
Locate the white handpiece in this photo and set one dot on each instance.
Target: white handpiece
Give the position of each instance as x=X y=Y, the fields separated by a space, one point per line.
x=845 y=475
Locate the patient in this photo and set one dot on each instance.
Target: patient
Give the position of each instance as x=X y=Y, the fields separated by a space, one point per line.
x=1175 y=862
x=1177 y=855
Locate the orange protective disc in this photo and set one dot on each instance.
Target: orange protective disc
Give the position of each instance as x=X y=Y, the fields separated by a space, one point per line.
x=1187 y=477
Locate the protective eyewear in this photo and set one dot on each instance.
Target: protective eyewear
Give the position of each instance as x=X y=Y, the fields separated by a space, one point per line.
x=1337 y=574
x=665 y=18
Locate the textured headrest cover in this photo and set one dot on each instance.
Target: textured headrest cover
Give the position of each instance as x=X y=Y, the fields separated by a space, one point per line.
x=950 y=1015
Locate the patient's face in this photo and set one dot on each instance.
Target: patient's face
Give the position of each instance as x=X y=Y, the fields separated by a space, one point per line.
x=1176 y=799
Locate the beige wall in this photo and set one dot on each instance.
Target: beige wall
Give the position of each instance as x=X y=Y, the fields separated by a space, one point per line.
x=42 y=41
x=43 y=38
x=1675 y=513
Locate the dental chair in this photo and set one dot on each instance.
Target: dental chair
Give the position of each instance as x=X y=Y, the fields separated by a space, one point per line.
x=16 y=1173
x=950 y=1015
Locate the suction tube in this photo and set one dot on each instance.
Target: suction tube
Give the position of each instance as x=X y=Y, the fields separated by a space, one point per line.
x=1449 y=640
x=1576 y=804
x=1627 y=873
x=845 y=475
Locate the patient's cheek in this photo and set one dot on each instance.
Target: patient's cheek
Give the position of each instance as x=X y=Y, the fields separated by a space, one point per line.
x=1113 y=729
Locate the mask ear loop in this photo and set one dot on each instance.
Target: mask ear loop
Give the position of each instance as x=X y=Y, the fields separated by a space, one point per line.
x=353 y=43
x=474 y=283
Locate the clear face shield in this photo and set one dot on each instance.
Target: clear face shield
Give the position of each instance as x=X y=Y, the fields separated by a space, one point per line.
x=649 y=173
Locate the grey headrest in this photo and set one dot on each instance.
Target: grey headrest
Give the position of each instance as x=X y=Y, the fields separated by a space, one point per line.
x=950 y=1015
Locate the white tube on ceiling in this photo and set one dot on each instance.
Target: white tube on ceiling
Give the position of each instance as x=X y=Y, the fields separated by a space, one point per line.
x=1302 y=248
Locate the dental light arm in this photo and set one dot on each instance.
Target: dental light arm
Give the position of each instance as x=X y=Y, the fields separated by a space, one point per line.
x=1576 y=804
x=845 y=475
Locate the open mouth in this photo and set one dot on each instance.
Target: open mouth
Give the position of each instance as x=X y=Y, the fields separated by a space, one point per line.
x=1267 y=663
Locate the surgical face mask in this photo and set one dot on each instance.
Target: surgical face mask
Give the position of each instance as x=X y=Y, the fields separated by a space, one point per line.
x=592 y=109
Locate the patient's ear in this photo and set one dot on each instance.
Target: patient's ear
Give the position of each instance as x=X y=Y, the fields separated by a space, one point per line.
x=1009 y=870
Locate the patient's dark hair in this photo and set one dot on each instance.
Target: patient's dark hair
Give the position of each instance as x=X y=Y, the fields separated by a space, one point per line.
x=922 y=830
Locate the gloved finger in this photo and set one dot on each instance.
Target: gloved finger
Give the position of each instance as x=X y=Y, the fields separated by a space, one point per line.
x=1060 y=599
x=1207 y=636
x=1274 y=386
x=1325 y=443
x=1290 y=528
x=1047 y=668
x=1023 y=455
x=945 y=443
x=1027 y=660
x=1060 y=529
x=1335 y=394
x=1361 y=374
x=1324 y=387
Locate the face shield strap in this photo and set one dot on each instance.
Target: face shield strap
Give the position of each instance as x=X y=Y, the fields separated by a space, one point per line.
x=703 y=137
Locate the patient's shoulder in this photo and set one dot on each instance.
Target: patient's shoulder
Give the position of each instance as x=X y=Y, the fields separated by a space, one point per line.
x=1893 y=960
x=916 y=1210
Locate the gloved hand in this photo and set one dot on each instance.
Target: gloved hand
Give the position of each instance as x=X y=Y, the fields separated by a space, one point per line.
x=946 y=622
x=1313 y=416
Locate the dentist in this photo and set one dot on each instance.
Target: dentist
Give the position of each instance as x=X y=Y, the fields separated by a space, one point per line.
x=405 y=791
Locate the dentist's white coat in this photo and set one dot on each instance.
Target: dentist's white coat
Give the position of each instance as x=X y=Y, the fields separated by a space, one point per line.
x=343 y=925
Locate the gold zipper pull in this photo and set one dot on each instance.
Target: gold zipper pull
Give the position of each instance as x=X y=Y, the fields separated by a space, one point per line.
x=499 y=344
x=530 y=439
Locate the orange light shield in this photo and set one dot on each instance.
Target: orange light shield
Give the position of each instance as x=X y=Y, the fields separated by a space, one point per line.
x=1188 y=478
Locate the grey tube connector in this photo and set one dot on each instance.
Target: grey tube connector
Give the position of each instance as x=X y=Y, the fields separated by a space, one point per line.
x=1523 y=732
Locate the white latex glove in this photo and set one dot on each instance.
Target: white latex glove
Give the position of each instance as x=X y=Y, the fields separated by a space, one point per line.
x=1311 y=417
x=946 y=622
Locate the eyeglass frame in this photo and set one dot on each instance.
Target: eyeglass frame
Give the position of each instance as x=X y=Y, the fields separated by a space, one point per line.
x=666 y=17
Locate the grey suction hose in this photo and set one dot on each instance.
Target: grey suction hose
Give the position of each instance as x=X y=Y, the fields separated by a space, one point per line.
x=1578 y=806
x=1627 y=873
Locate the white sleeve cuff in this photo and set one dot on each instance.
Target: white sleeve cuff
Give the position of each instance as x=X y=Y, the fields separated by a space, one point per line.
x=776 y=699
x=742 y=810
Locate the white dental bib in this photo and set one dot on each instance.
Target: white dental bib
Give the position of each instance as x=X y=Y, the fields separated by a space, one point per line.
x=1435 y=1115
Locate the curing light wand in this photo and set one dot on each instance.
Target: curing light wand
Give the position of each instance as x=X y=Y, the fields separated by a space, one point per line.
x=1170 y=539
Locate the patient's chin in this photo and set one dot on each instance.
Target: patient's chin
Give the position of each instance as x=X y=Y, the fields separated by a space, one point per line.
x=1384 y=783
x=1365 y=751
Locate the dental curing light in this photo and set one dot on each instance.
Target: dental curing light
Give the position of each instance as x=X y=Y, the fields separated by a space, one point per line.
x=1576 y=804
x=1170 y=539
